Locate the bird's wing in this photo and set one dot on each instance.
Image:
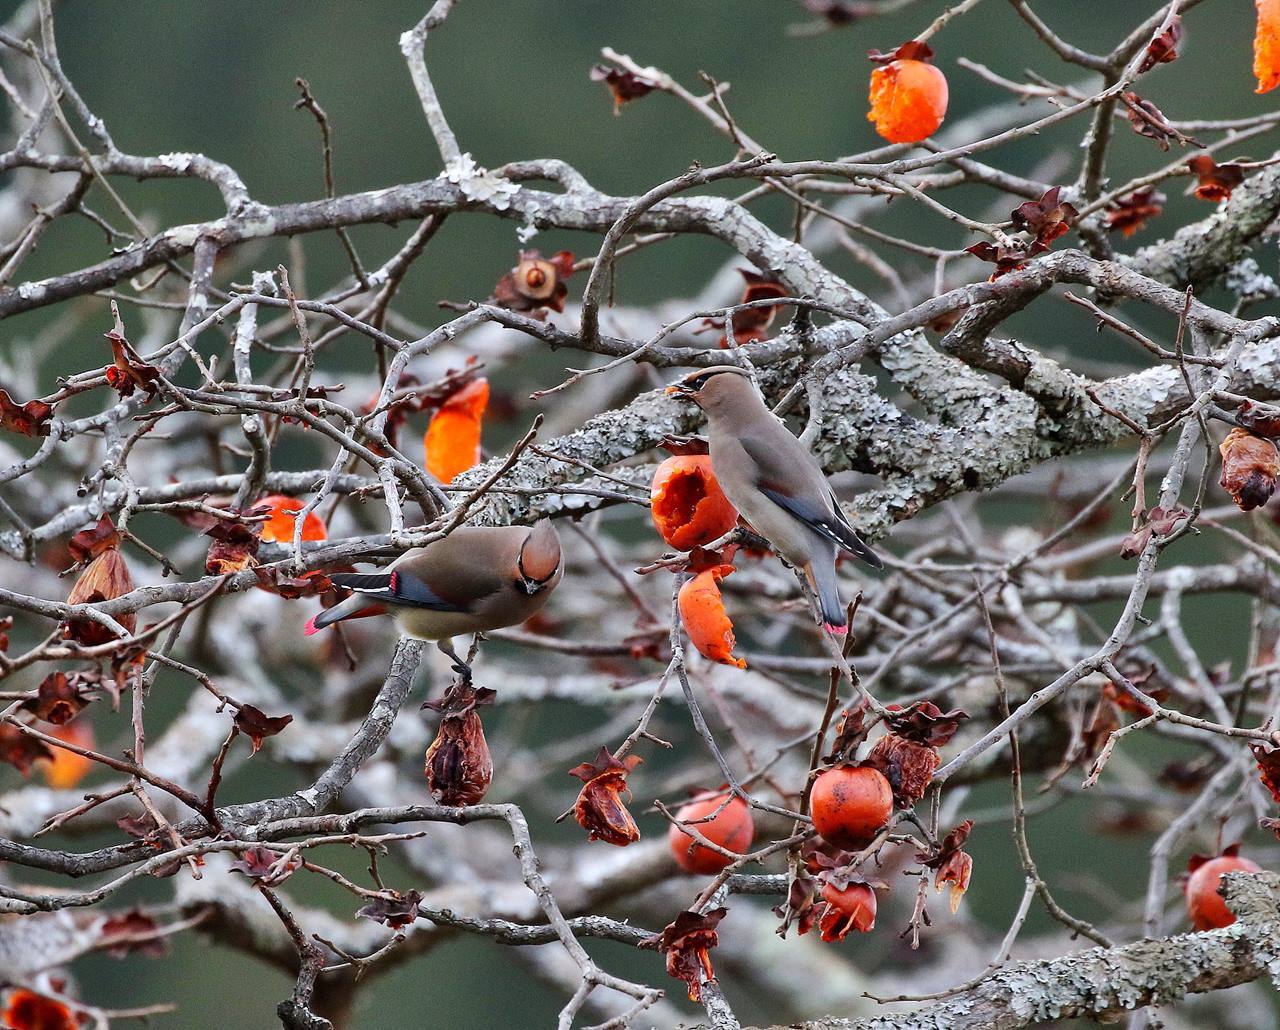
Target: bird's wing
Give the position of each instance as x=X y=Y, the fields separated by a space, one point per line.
x=783 y=461
x=399 y=588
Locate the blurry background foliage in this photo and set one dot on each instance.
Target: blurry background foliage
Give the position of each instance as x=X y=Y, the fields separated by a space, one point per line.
x=513 y=78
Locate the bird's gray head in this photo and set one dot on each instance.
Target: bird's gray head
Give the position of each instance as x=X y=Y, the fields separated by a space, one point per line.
x=711 y=388
x=539 y=559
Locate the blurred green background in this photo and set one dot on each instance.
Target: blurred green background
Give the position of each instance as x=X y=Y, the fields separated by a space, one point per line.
x=513 y=78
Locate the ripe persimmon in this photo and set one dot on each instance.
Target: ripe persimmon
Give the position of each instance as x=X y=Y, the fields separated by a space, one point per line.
x=908 y=95
x=1205 y=907
x=849 y=804
x=853 y=908
x=687 y=505
x=283 y=515
x=730 y=826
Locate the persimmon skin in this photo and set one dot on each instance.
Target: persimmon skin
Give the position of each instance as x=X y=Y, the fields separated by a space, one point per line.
x=687 y=505
x=704 y=618
x=908 y=100
x=853 y=908
x=451 y=443
x=279 y=526
x=732 y=828
x=66 y=769
x=849 y=805
x=1266 y=46
x=1205 y=907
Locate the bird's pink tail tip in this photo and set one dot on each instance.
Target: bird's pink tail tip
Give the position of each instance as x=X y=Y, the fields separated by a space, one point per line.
x=311 y=627
x=834 y=630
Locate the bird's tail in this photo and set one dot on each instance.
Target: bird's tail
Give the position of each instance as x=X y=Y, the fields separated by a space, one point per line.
x=821 y=575
x=353 y=606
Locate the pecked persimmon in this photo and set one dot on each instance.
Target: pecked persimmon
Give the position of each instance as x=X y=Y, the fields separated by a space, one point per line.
x=908 y=94
x=1266 y=46
x=728 y=825
x=849 y=804
x=687 y=505
x=283 y=515
x=1205 y=907
x=452 y=440
x=853 y=908
x=702 y=612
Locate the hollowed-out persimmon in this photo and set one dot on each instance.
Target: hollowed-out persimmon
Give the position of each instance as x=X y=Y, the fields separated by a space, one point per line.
x=730 y=826
x=849 y=804
x=686 y=503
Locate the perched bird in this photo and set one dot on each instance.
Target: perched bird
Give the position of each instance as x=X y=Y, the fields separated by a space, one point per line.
x=475 y=579
x=775 y=483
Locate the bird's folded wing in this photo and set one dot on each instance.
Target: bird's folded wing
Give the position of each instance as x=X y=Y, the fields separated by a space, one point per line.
x=828 y=522
x=396 y=587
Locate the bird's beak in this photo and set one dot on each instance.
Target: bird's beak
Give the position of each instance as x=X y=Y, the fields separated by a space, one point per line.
x=677 y=390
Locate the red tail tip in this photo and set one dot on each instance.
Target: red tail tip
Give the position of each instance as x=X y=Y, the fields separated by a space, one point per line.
x=311 y=626
x=834 y=630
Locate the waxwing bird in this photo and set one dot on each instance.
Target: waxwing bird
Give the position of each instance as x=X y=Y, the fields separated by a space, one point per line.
x=775 y=483
x=475 y=579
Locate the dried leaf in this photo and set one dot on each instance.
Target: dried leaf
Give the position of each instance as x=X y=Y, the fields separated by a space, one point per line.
x=1260 y=419
x=20 y=750
x=1131 y=213
x=1047 y=218
x=257 y=725
x=624 y=85
x=1148 y=120
x=133 y=931
x=89 y=543
x=1160 y=523
x=30 y=419
x=395 y=910
x=1214 y=181
x=1164 y=47
x=266 y=866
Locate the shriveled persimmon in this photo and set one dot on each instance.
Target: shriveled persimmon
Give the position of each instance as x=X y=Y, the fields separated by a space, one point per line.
x=705 y=620
x=452 y=440
x=686 y=503
x=849 y=804
x=1205 y=906
x=728 y=825
x=908 y=94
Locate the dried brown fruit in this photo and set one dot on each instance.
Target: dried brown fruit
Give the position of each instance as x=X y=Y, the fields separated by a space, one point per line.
x=1260 y=419
x=60 y=697
x=535 y=284
x=235 y=544
x=1160 y=523
x=599 y=808
x=266 y=866
x=1250 y=467
x=1006 y=259
x=105 y=578
x=687 y=943
x=133 y=931
x=458 y=765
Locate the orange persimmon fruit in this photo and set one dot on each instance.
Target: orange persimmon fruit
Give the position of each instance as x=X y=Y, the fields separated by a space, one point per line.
x=452 y=440
x=908 y=96
x=1205 y=907
x=686 y=503
x=1266 y=46
x=849 y=804
x=728 y=825
x=66 y=769
x=702 y=612
x=282 y=517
